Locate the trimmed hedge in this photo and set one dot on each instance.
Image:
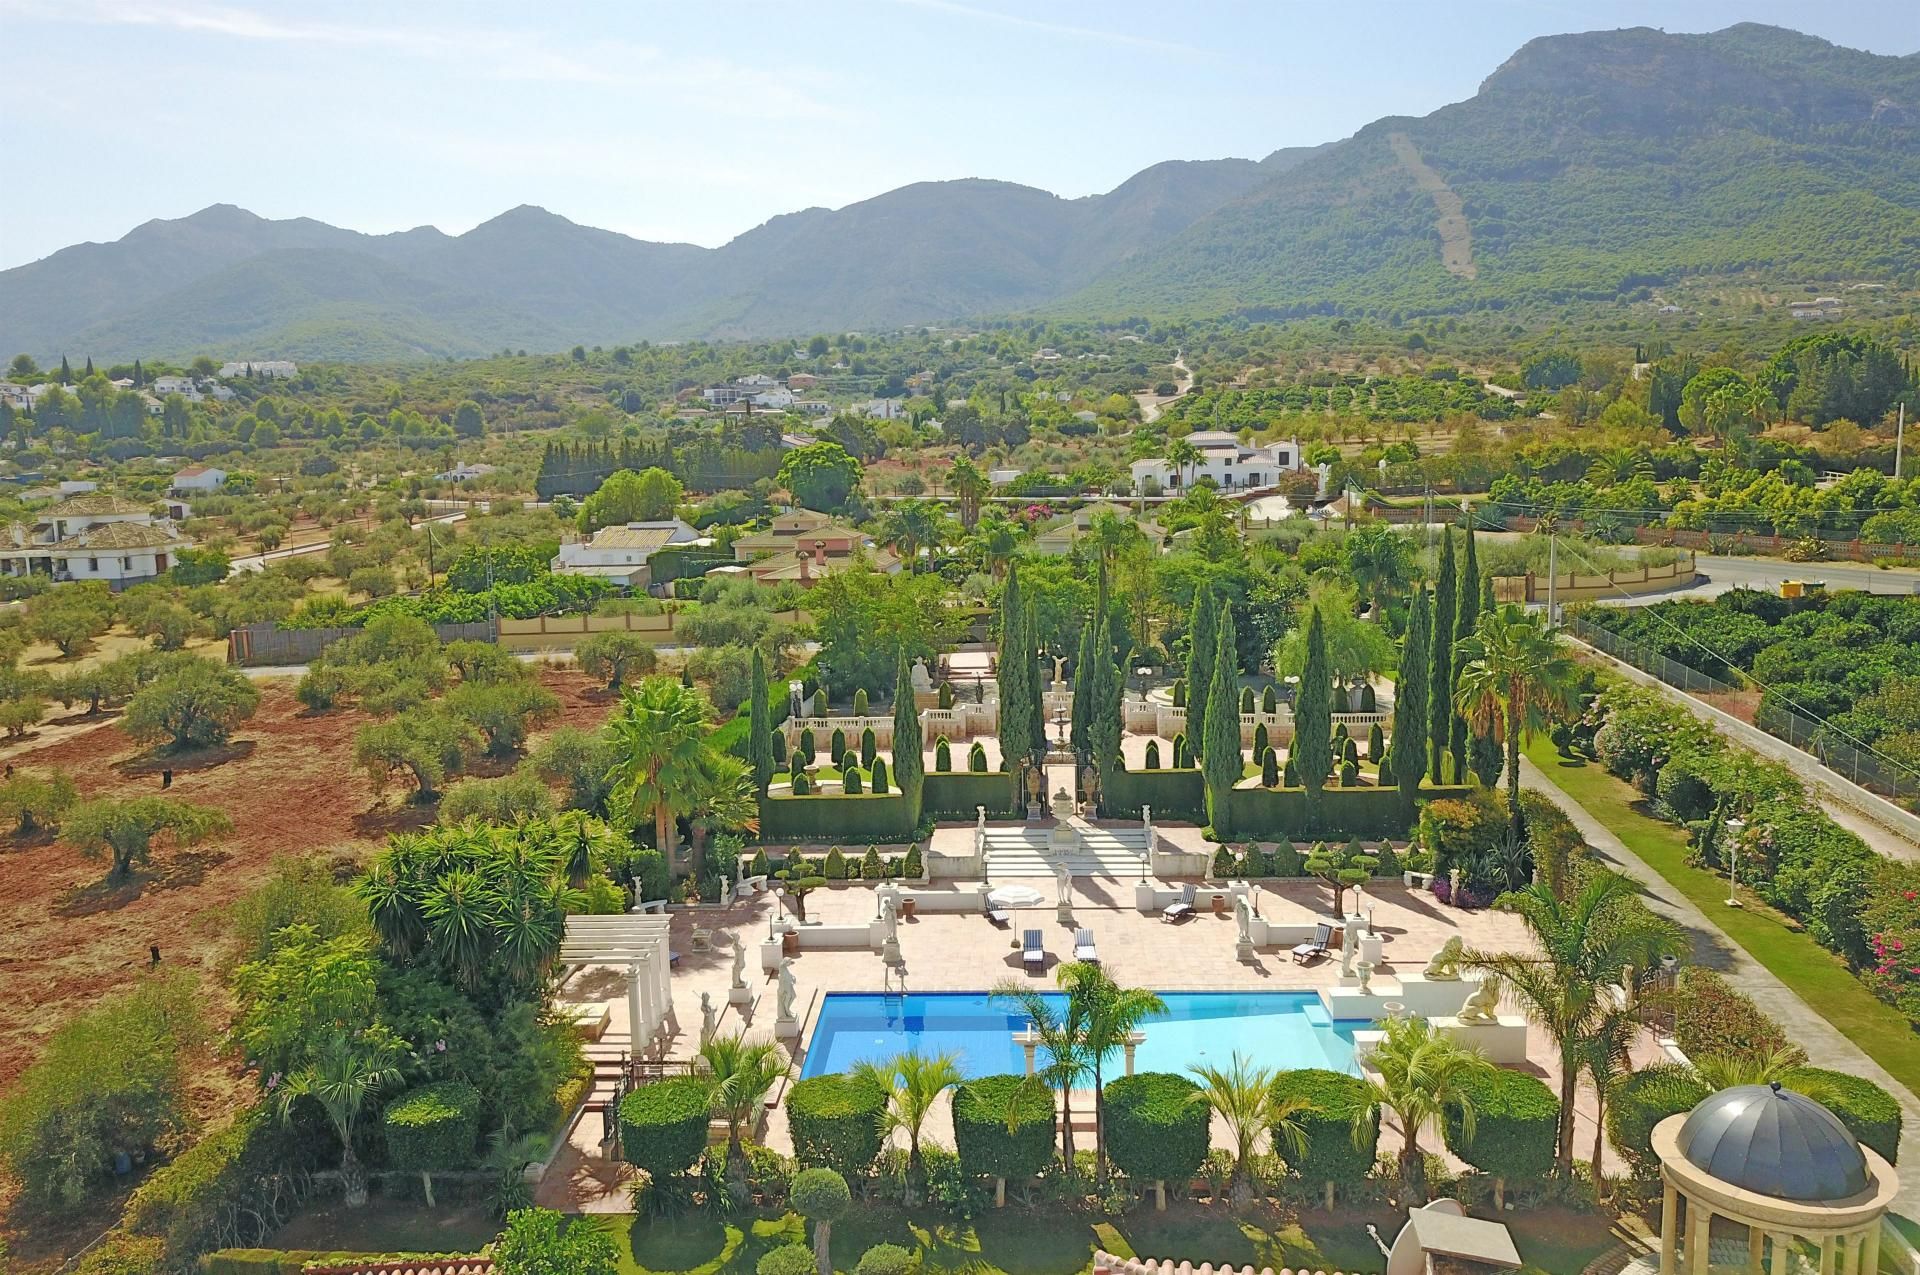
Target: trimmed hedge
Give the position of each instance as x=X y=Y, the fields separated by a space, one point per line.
x=1712 y=1017
x=1270 y=813
x=1156 y=1129
x=1870 y=1113
x=1643 y=1100
x=1329 y=1153
x=433 y=1128
x=185 y=1200
x=663 y=1126
x=835 y=816
x=955 y=794
x=835 y=1123
x=987 y=1148
x=786 y=1259
x=1516 y=1119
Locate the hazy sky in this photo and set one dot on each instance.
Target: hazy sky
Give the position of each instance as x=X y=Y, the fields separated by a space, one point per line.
x=696 y=121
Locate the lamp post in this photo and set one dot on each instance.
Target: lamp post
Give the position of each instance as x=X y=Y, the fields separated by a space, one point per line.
x=1734 y=827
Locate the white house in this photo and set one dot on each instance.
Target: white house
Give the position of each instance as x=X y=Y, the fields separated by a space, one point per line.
x=15 y=396
x=269 y=367
x=1231 y=465
x=884 y=409
x=620 y=554
x=813 y=407
x=184 y=386
x=756 y=381
x=777 y=399
x=199 y=478
x=462 y=472
x=92 y=536
x=722 y=395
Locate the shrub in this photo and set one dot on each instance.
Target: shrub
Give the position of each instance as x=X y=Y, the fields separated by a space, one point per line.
x=913 y=867
x=1516 y=1120
x=860 y=702
x=190 y=1201
x=197 y=705
x=882 y=781
x=1328 y=1154
x=803 y=749
x=1156 y=1131
x=1246 y=699
x=869 y=747
x=1642 y=1101
x=1388 y=864
x=1269 y=700
x=1350 y=751
x=801 y=785
x=663 y=1126
x=850 y=781
x=1349 y=772
x=872 y=867
x=884 y=1259
x=1182 y=754
x=1261 y=740
x=777 y=739
x=1285 y=860
x=1269 y=769
x=123 y=1255
x=1712 y=1017
x=987 y=1147
x=1179 y=692
x=786 y=1259
x=943 y=755
x=507 y=799
x=1684 y=790
x=1870 y=1113
x=1153 y=754
x=977 y=758
x=945 y=699
x=835 y=868
x=835 y=1122
x=1376 y=743
x=433 y=1128
x=837 y=746
x=32 y=801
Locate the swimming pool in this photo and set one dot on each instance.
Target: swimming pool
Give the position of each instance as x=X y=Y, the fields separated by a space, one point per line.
x=1275 y=1029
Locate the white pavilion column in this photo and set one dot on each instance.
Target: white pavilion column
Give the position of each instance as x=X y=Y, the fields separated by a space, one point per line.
x=636 y=1014
x=1700 y=1222
x=1850 y=1255
x=1756 y=1241
x=1829 y=1245
x=1870 y=1247
x=1669 y=1229
x=1782 y=1253
x=660 y=968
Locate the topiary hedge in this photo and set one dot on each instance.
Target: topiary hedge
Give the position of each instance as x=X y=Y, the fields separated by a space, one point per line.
x=1156 y=1130
x=1870 y=1113
x=1642 y=1101
x=663 y=1126
x=1516 y=1119
x=1329 y=1155
x=987 y=1148
x=835 y=1123
x=433 y=1128
x=786 y=1259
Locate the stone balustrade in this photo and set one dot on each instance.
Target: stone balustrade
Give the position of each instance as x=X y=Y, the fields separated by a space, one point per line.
x=1107 y=1264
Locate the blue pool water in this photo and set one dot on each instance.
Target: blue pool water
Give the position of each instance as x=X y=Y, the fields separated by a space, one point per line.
x=1275 y=1029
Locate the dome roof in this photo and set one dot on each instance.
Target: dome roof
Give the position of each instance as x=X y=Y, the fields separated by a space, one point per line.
x=1773 y=1141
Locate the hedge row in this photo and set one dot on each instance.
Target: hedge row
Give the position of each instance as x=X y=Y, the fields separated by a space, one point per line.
x=1271 y=812
x=1711 y=1017
x=1326 y=1123
x=988 y=1148
x=1157 y=1129
x=663 y=1126
x=835 y=817
x=1516 y=1118
x=1643 y=1100
x=188 y=1200
x=433 y=1128
x=834 y=1121
x=958 y=795
x=1870 y=1113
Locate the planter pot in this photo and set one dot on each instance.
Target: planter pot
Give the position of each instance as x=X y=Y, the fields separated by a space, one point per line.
x=907 y=907
x=790 y=943
x=1219 y=905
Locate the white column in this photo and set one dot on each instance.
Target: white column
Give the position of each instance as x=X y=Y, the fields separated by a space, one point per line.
x=1850 y=1258
x=1700 y=1219
x=1828 y=1245
x=636 y=1021
x=1669 y=1229
x=1782 y=1253
x=1870 y=1247
x=1756 y=1240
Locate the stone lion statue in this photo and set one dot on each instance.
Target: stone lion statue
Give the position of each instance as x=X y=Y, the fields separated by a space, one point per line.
x=1481 y=1007
x=1445 y=965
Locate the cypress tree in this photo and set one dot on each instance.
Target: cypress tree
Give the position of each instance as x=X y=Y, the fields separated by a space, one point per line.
x=1483 y=750
x=1440 y=677
x=66 y=371
x=139 y=376
x=1313 y=717
x=760 y=727
x=909 y=767
x=1466 y=617
x=1103 y=727
x=1083 y=679
x=1220 y=746
x=89 y=372
x=1036 y=686
x=1410 y=699
x=1201 y=644
x=1015 y=670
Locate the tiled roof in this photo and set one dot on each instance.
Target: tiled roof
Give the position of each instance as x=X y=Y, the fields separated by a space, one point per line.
x=92 y=504
x=421 y=1266
x=120 y=535
x=639 y=539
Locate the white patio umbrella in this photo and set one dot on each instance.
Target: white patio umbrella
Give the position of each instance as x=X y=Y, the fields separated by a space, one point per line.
x=1015 y=896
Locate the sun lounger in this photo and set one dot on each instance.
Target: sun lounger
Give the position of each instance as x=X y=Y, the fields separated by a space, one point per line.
x=1180 y=908
x=1083 y=948
x=999 y=916
x=1032 y=950
x=1314 y=947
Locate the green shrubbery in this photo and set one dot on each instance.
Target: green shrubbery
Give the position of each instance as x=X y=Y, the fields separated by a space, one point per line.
x=988 y=1148
x=433 y=1128
x=1157 y=1130
x=1642 y=1101
x=1329 y=1156
x=835 y=1123
x=1870 y=1113
x=663 y=1126
x=1516 y=1118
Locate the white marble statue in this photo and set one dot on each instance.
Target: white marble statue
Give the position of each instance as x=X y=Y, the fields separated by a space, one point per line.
x=1349 y=946
x=918 y=676
x=1483 y=1006
x=1445 y=965
x=1064 y=877
x=890 y=916
x=709 y=1017
x=1059 y=672
x=1243 y=916
x=787 y=990
x=739 y=966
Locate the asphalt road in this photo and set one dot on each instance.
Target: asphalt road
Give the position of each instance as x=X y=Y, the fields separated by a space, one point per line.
x=1768 y=574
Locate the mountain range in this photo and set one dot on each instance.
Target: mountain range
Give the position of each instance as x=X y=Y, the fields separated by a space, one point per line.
x=1585 y=167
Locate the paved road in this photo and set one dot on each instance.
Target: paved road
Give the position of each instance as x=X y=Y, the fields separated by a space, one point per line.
x=259 y=561
x=1825 y=1045
x=1767 y=574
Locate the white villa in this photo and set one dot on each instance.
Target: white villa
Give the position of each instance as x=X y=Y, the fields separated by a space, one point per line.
x=1231 y=464
x=280 y=368
x=620 y=554
x=199 y=478
x=92 y=536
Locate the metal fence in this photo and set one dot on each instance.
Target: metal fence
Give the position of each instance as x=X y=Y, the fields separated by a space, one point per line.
x=269 y=645
x=1868 y=770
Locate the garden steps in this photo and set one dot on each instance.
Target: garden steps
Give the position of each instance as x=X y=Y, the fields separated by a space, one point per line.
x=1025 y=851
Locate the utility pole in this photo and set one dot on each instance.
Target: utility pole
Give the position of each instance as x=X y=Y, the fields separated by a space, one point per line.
x=1899 y=438
x=1553 y=545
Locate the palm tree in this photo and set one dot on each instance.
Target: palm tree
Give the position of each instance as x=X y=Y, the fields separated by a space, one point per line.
x=913 y=525
x=1180 y=454
x=1513 y=676
x=915 y=1082
x=1585 y=944
x=739 y=1076
x=1724 y=1071
x=1063 y=1043
x=1424 y=1073
x=997 y=540
x=345 y=1074
x=660 y=737
x=722 y=799
x=1380 y=560
x=1605 y=1060
x=1109 y=535
x=971 y=486
x=1243 y=1096
x=1112 y=1014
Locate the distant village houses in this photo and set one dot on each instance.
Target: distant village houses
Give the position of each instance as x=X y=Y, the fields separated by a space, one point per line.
x=280 y=369
x=92 y=535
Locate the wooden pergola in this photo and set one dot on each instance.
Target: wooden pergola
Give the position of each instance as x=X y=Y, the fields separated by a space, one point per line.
x=639 y=942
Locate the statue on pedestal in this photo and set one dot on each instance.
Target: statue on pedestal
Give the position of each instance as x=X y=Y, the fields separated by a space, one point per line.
x=787 y=990
x=1349 y=945
x=1483 y=1006
x=1445 y=965
x=920 y=679
x=1062 y=804
x=1059 y=672
x=739 y=966
x=709 y=1017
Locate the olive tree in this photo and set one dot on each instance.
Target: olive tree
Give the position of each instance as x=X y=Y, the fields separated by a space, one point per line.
x=196 y=705
x=125 y=829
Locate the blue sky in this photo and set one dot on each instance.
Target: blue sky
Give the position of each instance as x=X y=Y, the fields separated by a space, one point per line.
x=697 y=121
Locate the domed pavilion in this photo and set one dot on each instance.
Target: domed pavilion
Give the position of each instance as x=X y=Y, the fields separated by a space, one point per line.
x=1785 y=1168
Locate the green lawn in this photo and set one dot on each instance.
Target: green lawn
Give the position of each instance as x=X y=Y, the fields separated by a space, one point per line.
x=1820 y=978
x=1040 y=1242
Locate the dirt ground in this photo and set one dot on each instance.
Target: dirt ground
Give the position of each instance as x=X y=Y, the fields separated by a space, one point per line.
x=288 y=783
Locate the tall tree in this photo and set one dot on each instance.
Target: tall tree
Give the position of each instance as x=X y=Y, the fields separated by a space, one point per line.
x=913 y=1082
x=1440 y=680
x=660 y=735
x=970 y=486
x=1220 y=734
x=759 y=726
x=909 y=766
x=1201 y=647
x=1084 y=676
x=1313 y=717
x=1514 y=675
x=1245 y=1098
x=1112 y=1013
x=1466 y=616
x=1410 y=712
x=1014 y=672
x=1483 y=746
x=1103 y=710
x=1424 y=1074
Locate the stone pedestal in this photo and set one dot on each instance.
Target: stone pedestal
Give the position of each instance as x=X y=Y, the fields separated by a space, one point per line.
x=1503 y=1041
x=770 y=955
x=741 y=997
x=1146 y=899
x=786 y=1028
x=1029 y=1042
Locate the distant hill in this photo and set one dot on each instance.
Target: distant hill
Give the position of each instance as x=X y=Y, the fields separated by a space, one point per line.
x=1586 y=167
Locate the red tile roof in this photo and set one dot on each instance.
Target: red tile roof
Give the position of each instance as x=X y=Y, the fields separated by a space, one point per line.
x=423 y=1266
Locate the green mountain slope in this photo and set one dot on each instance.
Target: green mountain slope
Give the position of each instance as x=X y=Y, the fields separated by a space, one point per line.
x=1587 y=165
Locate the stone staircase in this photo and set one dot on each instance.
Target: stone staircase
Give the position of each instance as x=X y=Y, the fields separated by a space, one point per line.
x=1016 y=851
